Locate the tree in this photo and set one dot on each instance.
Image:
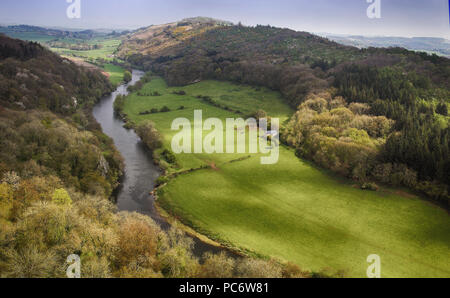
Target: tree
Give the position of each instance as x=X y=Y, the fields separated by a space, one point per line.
x=61 y=197
x=127 y=76
x=149 y=135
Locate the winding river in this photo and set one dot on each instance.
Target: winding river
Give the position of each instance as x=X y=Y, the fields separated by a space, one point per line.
x=140 y=172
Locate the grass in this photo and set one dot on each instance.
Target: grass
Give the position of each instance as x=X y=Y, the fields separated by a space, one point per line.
x=115 y=73
x=292 y=211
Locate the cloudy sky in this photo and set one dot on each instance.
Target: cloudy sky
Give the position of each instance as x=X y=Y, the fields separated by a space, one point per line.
x=398 y=17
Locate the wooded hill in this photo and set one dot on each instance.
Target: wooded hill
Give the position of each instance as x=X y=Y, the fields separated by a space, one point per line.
x=31 y=77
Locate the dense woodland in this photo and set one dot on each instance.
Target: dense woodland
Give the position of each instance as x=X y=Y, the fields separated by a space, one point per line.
x=57 y=174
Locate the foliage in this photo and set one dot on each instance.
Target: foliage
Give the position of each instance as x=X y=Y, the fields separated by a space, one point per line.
x=33 y=77
x=325 y=130
x=119 y=103
x=61 y=197
x=420 y=142
x=149 y=135
x=31 y=146
x=127 y=76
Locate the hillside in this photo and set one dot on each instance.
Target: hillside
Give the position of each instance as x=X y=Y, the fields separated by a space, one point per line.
x=32 y=76
x=45 y=103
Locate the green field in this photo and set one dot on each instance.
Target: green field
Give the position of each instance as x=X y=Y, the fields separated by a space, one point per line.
x=291 y=211
x=106 y=52
x=115 y=72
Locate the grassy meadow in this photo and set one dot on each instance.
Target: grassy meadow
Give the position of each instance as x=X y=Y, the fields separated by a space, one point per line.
x=108 y=49
x=115 y=73
x=290 y=211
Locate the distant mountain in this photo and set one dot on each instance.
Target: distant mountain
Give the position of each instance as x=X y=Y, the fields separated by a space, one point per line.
x=439 y=46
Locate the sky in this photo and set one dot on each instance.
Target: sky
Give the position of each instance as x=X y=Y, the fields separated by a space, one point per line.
x=407 y=18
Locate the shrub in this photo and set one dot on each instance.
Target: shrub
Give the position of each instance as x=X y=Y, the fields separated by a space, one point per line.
x=149 y=135
x=217 y=266
x=127 y=77
x=253 y=268
x=161 y=180
x=181 y=92
x=165 y=109
x=369 y=186
x=119 y=103
x=169 y=156
x=259 y=114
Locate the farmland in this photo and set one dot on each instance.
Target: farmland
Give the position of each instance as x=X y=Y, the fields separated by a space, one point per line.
x=290 y=211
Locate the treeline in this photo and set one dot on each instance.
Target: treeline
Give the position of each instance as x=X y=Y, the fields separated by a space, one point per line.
x=18 y=49
x=74 y=46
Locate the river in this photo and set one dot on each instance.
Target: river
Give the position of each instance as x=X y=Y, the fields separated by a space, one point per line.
x=140 y=172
